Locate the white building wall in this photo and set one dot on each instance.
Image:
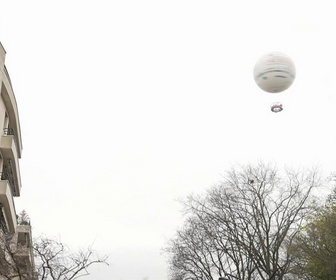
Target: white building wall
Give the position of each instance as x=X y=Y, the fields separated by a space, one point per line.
x=10 y=152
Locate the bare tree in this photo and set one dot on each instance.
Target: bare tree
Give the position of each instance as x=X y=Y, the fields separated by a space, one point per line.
x=15 y=251
x=242 y=228
x=43 y=259
x=12 y=266
x=54 y=261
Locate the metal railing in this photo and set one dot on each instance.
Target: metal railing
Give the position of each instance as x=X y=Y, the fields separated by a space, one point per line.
x=3 y=225
x=7 y=174
x=8 y=131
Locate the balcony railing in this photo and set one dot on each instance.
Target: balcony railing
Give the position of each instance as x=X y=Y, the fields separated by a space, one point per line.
x=7 y=174
x=3 y=225
x=8 y=131
x=10 y=169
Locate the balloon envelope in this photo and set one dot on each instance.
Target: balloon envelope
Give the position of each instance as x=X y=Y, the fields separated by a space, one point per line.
x=274 y=72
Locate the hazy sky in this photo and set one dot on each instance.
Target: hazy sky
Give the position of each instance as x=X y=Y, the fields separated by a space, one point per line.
x=127 y=106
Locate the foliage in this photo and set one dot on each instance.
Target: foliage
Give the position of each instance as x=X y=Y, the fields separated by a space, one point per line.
x=315 y=245
x=241 y=228
x=23 y=218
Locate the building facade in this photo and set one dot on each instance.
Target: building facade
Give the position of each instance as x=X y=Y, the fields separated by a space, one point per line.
x=15 y=241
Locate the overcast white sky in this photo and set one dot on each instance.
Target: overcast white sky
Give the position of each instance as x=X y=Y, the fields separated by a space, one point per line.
x=126 y=106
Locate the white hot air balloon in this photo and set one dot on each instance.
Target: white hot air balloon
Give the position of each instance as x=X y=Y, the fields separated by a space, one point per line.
x=274 y=73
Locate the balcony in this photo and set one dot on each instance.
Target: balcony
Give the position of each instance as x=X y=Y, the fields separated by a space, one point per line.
x=6 y=199
x=8 y=97
x=24 y=248
x=11 y=162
